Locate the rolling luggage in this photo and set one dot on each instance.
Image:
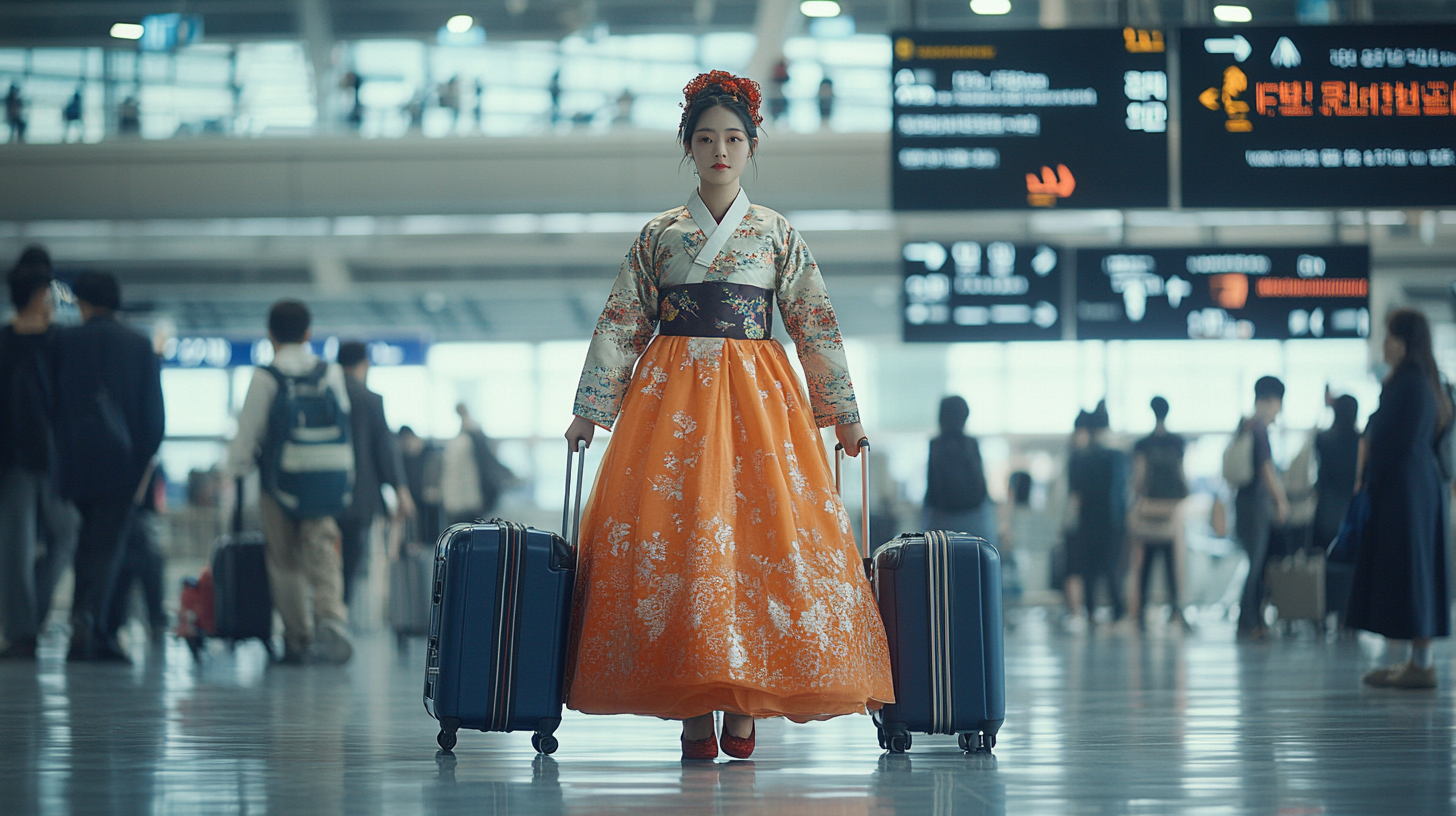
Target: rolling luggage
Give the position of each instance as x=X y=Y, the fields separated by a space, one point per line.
x=409 y=591
x=501 y=606
x=939 y=595
x=242 y=601
x=1295 y=585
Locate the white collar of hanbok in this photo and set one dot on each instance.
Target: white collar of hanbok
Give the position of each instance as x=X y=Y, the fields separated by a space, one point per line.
x=721 y=230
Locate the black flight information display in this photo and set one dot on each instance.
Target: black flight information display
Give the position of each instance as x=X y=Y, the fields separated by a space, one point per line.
x=1220 y=293
x=962 y=291
x=1015 y=119
x=1318 y=116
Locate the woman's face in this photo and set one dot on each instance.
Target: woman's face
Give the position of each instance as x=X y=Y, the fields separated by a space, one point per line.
x=1394 y=350
x=720 y=147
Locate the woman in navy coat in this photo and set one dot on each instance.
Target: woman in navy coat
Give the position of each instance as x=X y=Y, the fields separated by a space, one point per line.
x=1399 y=586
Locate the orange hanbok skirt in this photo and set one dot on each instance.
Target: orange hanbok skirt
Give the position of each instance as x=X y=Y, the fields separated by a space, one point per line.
x=718 y=571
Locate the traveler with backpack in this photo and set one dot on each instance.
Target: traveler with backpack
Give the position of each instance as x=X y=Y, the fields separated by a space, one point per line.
x=955 y=480
x=109 y=424
x=1399 y=587
x=1248 y=467
x=295 y=429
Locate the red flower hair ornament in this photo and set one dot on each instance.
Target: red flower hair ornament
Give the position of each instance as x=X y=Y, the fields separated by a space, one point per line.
x=723 y=83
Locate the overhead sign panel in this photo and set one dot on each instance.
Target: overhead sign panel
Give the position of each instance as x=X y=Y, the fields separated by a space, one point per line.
x=960 y=291
x=1318 y=116
x=1017 y=119
x=231 y=352
x=1277 y=293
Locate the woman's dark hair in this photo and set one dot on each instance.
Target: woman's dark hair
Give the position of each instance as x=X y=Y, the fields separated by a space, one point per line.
x=1412 y=328
x=953 y=415
x=1160 y=408
x=714 y=96
x=1347 y=411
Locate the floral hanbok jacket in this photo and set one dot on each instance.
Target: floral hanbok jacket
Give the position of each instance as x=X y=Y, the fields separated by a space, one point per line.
x=762 y=251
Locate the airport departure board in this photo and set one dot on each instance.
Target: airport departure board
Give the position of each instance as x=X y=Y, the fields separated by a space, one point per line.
x=1318 y=116
x=962 y=291
x=1016 y=119
x=1275 y=293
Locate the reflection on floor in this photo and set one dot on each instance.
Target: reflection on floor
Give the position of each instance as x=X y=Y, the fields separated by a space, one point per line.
x=1106 y=723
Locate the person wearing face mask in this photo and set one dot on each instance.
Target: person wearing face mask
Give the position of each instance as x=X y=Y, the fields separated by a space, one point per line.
x=1399 y=586
x=718 y=571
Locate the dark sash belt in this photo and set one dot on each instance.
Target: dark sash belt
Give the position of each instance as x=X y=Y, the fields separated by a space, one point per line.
x=736 y=311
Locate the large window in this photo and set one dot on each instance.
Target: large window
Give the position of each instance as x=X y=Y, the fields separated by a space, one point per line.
x=395 y=88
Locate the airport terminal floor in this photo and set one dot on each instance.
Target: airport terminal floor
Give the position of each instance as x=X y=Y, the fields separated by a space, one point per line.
x=1106 y=722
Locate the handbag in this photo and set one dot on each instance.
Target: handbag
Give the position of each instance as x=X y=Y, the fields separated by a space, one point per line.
x=1345 y=549
x=1153 y=519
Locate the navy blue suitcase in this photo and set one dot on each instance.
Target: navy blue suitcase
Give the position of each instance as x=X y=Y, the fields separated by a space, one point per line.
x=500 y=610
x=940 y=598
x=939 y=595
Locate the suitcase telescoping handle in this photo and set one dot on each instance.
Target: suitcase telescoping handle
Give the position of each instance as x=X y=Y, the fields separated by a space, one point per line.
x=571 y=531
x=864 y=487
x=238 y=507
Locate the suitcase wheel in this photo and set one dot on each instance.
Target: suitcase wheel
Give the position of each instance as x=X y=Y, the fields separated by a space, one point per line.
x=446 y=739
x=544 y=744
x=964 y=741
x=898 y=743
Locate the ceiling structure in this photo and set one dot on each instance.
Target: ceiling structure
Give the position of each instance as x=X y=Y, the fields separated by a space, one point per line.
x=49 y=23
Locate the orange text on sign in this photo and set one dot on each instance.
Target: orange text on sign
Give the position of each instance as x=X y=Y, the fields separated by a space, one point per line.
x=1312 y=287
x=1139 y=41
x=1353 y=99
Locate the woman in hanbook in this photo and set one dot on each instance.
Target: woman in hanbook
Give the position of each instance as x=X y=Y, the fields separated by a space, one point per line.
x=718 y=571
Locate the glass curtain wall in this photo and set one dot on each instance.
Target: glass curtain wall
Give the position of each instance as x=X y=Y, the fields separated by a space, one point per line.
x=398 y=88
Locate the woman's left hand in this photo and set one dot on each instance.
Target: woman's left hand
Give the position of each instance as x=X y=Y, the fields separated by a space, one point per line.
x=849 y=435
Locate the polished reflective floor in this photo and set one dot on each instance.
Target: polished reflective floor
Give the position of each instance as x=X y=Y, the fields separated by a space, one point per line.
x=1106 y=722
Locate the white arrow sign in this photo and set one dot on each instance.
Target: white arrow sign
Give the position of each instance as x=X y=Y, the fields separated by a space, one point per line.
x=1236 y=45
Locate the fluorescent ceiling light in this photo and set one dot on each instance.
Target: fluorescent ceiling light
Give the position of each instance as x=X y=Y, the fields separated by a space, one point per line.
x=127 y=31
x=459 y=24
x=819 y=8
x=1233 y=14
x=991 y=6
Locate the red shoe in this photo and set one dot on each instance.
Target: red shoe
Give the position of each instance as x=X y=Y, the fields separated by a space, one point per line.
x=739 y=747
x=701 y=749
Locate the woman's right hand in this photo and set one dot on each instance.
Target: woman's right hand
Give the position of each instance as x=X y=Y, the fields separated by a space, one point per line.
x=581 y=430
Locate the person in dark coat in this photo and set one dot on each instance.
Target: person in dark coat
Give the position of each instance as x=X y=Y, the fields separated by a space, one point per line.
x=109 y=424
x=1399 y=588
x=376 y=463
x=955 y=481
x=1097 y=482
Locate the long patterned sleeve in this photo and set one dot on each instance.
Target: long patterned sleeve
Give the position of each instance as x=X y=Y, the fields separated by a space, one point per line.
x=623 y=332
x=809 y=319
